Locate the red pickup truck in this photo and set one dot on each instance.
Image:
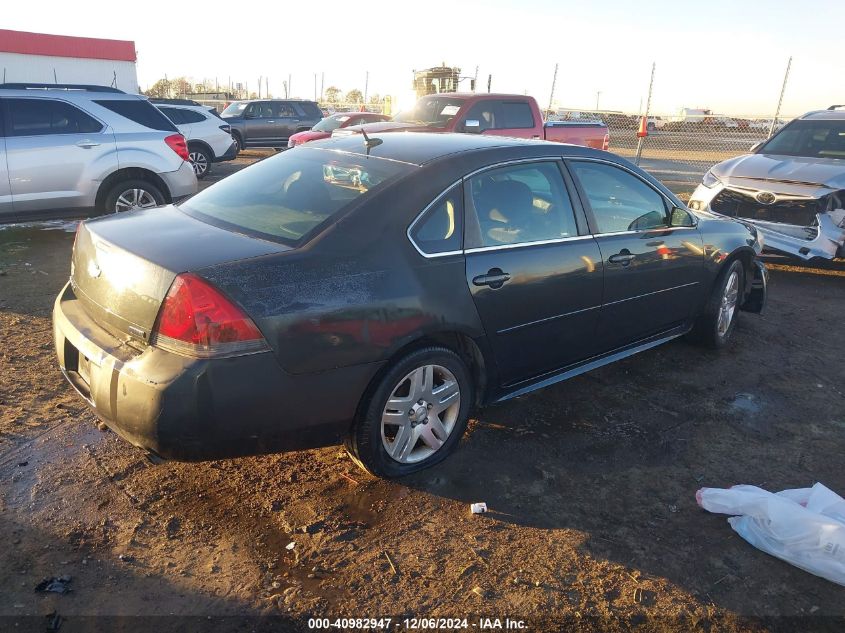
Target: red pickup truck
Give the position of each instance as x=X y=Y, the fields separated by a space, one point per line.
x=491 y=114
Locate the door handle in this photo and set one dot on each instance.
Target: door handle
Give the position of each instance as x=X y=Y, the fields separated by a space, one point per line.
x=87 y=144
x=495 y=278
x=623 y=258
x=271 y=121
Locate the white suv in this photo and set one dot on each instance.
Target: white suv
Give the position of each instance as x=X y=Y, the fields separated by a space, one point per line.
x=209 y=136
x=65 y=148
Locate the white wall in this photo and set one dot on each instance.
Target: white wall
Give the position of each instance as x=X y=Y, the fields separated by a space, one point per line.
x=68 y=70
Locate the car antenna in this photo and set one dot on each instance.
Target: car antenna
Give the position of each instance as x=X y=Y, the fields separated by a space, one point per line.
x=370 y=143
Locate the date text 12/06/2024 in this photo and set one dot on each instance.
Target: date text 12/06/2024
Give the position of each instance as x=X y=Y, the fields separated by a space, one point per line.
x=418 y=624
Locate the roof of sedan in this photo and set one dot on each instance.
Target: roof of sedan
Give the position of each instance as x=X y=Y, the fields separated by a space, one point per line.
x=419 y=148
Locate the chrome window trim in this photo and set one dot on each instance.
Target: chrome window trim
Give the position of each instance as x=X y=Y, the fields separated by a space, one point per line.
x=419 y=217
x=498 y=247
x=604 y=161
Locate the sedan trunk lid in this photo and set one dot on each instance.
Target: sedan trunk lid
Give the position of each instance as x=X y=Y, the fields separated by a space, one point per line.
x=123 y=265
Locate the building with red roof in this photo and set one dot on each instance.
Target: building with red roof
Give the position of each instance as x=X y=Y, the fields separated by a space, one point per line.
x=44 y=58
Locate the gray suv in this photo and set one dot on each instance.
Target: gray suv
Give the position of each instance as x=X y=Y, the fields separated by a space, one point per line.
x=790 y=187
x=270 y=122
x=66 y=148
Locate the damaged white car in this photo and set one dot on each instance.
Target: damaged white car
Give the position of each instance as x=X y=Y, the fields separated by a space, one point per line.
x=791 y=187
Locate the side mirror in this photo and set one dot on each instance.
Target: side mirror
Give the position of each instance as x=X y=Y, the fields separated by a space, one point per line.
x=472 y=126
x=681 y=217
x=756 y=146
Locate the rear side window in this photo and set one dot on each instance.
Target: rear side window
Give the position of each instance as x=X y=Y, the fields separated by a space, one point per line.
x=518 y=204
x=310 y=109
x=440 y=228
x=140 y=111
x=286 y=197
x=285 y=110
x=174 y=114
x=516 y=114
x=619 y=200
x=191 y=116
x=35 y=117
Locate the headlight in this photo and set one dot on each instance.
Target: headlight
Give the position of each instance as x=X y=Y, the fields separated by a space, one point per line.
x=710 y=180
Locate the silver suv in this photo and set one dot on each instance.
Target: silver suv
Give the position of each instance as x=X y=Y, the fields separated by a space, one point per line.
x=67 y=148
x=791 y=187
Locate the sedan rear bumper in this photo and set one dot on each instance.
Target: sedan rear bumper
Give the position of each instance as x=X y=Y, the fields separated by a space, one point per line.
x=188 y=409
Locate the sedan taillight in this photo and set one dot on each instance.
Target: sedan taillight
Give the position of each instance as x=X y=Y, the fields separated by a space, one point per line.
x=606 y=144
x=198 y=320
x=178 y=144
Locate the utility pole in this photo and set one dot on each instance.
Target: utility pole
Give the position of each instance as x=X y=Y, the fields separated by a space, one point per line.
x=780 y=100
x=286 y=89
x=489 y=81
x=598 y=94
x=551 y=96
x=647 y=109
x=315 y=86
x=290 y=90
x=475 y=79
x=366 y=85
x=322 y=84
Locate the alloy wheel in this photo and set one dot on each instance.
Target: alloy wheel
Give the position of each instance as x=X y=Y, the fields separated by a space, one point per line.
x=420 y=414
x=727 y=307
x=200 y=163
x=134 y=199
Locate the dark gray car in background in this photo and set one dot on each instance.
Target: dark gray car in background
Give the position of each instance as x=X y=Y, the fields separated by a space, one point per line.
x=270 y=122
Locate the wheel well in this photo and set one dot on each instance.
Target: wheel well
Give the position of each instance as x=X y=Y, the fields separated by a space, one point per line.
x=745 y=256
x=131 y=173
x=457 y=342
x=202 y=144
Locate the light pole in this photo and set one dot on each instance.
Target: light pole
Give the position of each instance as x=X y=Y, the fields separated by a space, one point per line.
x=598 y=94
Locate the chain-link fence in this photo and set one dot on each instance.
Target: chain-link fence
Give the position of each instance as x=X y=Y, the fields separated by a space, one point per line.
x=680 y=148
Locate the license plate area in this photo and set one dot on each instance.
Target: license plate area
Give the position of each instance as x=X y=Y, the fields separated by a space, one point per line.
x=78 y=370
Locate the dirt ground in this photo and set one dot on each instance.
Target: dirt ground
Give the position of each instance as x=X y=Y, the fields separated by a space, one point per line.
x=591 y=487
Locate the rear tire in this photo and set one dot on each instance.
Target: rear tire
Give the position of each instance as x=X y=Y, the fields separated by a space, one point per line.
x=415 y=416
x=716 y=324
x=200 y=160
x=239 y=142
x=128 y=195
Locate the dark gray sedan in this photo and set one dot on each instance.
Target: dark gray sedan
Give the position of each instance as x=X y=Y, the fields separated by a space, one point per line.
x=373 y=291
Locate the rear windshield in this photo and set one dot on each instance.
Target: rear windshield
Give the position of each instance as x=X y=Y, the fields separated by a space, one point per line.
x=286 y=197
x=140 y=111
x=815 y=139
x=331 y=123
x=434 y=111
x=234 y=109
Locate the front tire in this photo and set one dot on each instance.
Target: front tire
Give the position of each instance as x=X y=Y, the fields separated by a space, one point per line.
x=129 y=195
x=239 y=142
x=716 y=324
x=415 y=416
x=200 y=160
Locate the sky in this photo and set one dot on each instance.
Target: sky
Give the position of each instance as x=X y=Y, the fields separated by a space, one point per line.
x=728 y=56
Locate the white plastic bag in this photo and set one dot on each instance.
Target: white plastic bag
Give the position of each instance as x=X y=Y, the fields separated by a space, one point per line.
x=804 y=527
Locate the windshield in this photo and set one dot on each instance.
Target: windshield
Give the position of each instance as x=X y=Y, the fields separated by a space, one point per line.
x=285 y=197
x=433 y=111
x=814 y=139
x=331 y=123
x=235 y=109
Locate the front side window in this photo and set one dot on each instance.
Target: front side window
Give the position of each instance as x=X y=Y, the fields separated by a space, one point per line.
x=517 y=204
x=440 y=229
x=619 y=200
x=286 y=197
x=36 y=117
x=485 y=113
x=234 y=109
x=811 y=138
